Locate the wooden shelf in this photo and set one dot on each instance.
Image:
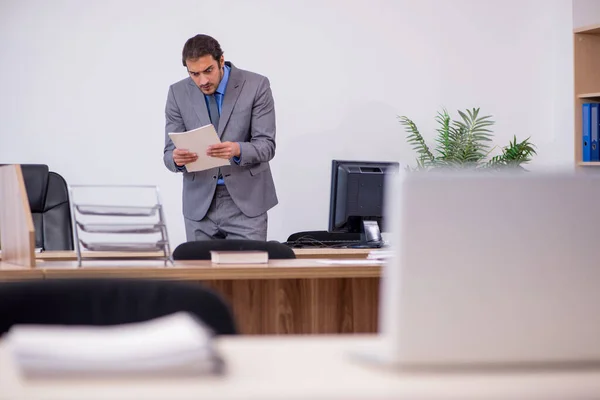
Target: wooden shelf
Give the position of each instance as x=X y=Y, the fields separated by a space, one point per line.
x=592 y=29
x=589 y=96
x=586 y=63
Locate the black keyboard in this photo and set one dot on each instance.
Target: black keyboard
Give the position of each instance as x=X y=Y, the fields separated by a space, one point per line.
x=312 y=243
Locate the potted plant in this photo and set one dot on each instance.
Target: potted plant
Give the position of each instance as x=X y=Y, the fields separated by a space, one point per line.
x=466 y=143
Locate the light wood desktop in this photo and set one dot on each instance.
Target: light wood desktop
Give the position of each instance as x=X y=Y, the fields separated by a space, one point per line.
x=284 y=296
x=66 y=255
x=332 y=253
x=309 y=367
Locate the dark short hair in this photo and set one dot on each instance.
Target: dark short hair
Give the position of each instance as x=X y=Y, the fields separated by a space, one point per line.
x=199 y=46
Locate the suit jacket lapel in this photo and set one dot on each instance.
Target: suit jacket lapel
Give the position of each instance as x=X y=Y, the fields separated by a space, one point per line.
x=198 y=103
x=232 y=92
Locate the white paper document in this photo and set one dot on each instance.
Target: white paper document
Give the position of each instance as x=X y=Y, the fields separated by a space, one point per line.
x=380 y=254
x=174 y=344
x=361 y=261
x=197 y=141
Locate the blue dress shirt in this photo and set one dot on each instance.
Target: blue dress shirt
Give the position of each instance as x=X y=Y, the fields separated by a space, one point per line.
x=220 y=92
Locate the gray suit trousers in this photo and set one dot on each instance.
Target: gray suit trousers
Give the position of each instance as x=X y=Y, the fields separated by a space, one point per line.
x=224 y=220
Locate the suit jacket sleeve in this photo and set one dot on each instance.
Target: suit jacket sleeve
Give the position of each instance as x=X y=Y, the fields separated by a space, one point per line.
x=174 y=123
x=261 y=147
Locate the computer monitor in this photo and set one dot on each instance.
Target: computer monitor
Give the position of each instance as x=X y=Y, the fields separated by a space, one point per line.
x=356 y=199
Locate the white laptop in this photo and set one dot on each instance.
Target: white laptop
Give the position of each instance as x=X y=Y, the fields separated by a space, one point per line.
x=492 y=270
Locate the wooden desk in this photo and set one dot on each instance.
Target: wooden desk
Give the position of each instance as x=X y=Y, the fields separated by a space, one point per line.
x=315 y=367
x=10 y=272
x=283 y=296
x=332 y=253
x=300 y=253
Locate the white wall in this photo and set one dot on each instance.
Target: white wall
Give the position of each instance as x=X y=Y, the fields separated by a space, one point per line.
x=83 y=84
x=586 y=13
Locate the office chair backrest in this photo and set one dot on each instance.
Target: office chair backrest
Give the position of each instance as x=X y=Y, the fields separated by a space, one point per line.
x=101 y=302
x=200 y=250
x=49 y=202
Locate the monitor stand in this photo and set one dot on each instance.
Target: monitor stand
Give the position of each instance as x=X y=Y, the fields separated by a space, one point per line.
x=370 y=236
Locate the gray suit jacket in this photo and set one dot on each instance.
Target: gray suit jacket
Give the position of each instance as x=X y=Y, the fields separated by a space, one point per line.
x=248 y=117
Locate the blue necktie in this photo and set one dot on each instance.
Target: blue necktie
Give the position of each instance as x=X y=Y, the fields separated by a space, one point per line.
x=213 y=109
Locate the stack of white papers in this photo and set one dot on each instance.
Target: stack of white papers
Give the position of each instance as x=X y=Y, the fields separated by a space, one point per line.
x=358 y=261
x=177 y=344
x=380 y=254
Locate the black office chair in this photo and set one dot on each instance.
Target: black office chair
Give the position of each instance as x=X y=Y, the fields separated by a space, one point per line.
x=109 y=301
x=200 y=249
x=49 y=202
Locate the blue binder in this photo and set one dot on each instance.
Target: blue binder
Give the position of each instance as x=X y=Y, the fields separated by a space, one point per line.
x=594 y=114
x=586 y=129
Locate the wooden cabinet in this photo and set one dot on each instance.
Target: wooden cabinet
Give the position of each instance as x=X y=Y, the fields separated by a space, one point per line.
x=586 y=63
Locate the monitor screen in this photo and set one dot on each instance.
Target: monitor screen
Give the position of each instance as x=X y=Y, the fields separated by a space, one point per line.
x=356 y=198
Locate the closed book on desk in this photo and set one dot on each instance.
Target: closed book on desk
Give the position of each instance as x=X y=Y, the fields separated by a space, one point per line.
x=239 y=257
x=174 y=345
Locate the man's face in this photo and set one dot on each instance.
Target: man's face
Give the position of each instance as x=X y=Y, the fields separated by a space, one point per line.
x=206 y=72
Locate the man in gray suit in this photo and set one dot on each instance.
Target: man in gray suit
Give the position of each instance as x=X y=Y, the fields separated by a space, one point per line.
x=231 y=201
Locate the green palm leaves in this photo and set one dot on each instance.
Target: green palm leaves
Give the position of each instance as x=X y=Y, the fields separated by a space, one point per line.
x=465 y=143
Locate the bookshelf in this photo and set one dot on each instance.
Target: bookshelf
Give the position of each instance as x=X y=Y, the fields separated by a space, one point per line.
x=586 y=63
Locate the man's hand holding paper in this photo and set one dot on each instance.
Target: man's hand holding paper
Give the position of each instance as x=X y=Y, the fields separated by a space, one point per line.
x=225 y=150
x=183 y=156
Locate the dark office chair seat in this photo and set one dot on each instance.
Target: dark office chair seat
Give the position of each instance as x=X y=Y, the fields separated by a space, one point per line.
x=108 y=302
x=49 y=202
x=200 y=249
